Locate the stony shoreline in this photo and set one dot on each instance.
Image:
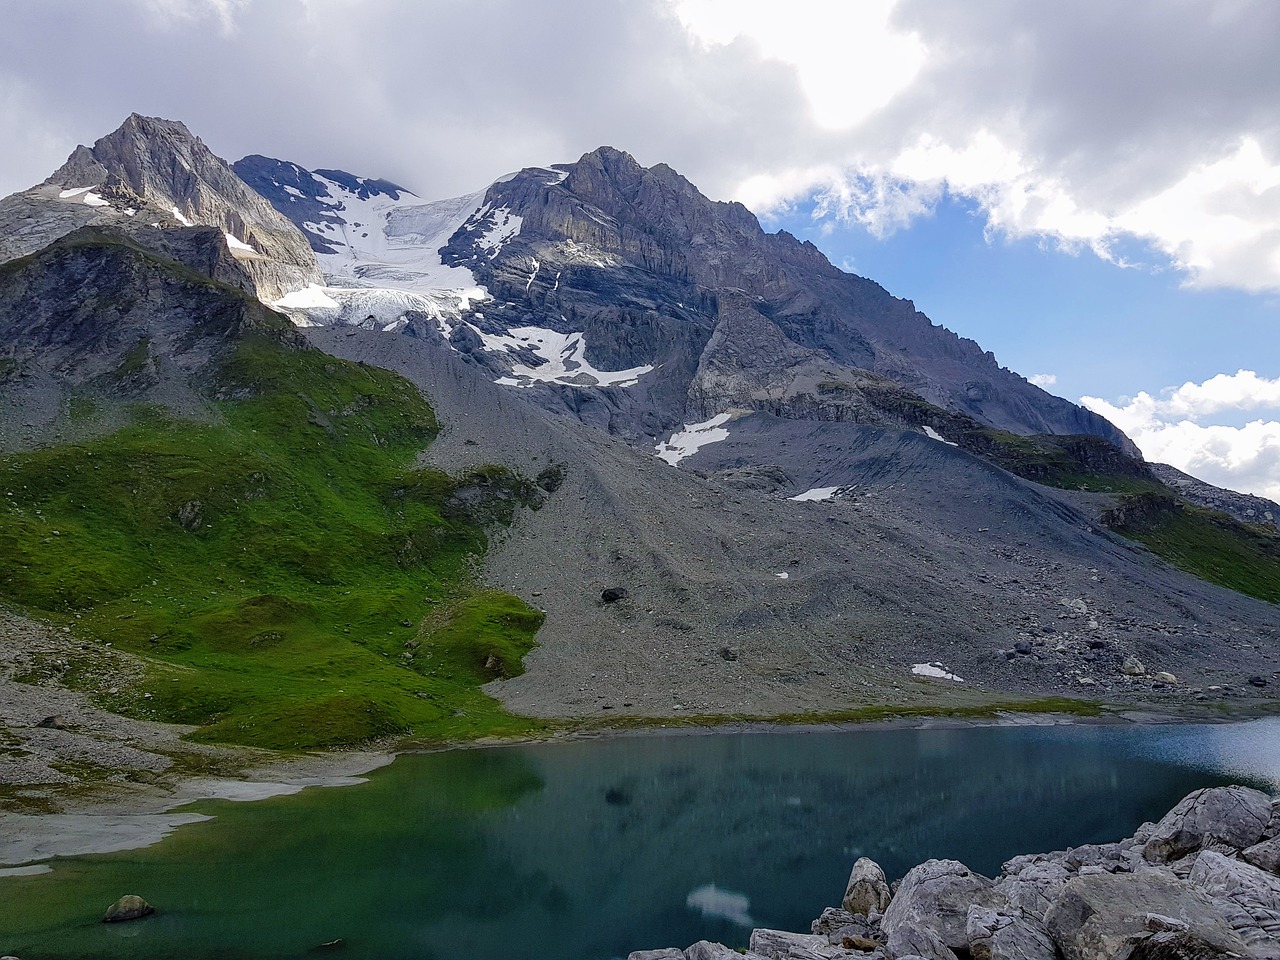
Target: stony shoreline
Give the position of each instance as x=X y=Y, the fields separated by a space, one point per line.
x=1202 y=883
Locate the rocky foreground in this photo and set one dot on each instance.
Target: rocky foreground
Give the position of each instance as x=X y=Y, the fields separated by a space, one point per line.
x=1204 y=882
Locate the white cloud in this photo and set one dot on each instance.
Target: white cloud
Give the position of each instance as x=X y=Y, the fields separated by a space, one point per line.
x=1043 y=380
x=849 y=59
x=1167 y=429
x=1089 y=123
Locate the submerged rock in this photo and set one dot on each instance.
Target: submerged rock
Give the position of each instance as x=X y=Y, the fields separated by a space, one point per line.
x=128 y=908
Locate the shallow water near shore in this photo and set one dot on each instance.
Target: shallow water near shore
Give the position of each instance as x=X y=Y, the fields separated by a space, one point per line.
x=587 y=850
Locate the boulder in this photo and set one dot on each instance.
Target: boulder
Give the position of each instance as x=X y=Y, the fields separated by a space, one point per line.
x=53 y=723
x=613 y=595
x=1104 y=916
x=781 y=945
x=1234 y=815
x=128 y=908
x=666 y=953
x=867 y=890
x=1273 y=825
x=937 y=895
x=1132 y=667
x=832 y=919
x=1034 y=887
x=706 y=950
x=1254 y=891
x=1265 y=855
x=1165 y=677
x=996 y=935
x=909 y=940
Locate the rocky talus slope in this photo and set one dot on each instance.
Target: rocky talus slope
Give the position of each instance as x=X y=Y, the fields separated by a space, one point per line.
x=1242 y=506
x=742 y=602
x=153 y=173
x=1202 y=883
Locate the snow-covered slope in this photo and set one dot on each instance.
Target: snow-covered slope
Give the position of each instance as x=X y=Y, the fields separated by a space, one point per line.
x=379 y=247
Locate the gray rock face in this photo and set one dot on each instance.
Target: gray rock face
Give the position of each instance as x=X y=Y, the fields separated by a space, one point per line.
x=96 y=315
x=867 y=891
x=1265 y=855
x=1254 y=891
x=910 y=940
x=1031 y=884
x=996 y=935
x=1104 y=916
x=1234 y=815
x=1243 y=506
x=937 y=896
x=781 y=945
x=656 y=273
x=666 y=953
x=706 y=950
x=153 y=172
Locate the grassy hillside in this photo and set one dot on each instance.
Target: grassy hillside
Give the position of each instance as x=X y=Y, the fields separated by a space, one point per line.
x=276 y=565
x=1207 y=543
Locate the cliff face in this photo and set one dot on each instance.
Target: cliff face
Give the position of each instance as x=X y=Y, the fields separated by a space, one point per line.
x=637 y=254
x=153 y=173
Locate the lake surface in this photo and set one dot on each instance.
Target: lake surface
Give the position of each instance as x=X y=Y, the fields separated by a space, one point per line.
x=587 y=850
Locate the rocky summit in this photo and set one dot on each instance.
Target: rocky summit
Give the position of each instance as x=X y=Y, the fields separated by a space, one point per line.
x=1200 y=883
x=713 y=473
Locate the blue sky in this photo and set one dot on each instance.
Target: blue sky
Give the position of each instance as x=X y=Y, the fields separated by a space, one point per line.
x=1100 y=329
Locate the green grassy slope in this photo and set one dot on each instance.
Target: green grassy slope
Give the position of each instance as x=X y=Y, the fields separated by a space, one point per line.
x=1209 y=544
x=275 y=566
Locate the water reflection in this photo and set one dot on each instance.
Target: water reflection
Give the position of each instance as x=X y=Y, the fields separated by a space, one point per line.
x=584 y=851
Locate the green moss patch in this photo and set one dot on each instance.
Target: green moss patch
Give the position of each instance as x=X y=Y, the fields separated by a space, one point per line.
x=1210 y=544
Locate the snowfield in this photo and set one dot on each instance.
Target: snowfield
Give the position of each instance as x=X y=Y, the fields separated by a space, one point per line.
x=685 y=443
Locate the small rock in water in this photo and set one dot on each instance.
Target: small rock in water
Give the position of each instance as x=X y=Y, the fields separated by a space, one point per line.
x=128 y=907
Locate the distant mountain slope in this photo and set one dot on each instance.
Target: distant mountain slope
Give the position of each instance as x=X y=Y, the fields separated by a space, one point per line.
x=603 y=265
x=155 y=173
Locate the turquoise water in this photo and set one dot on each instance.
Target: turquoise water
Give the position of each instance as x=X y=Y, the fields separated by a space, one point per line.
x=587 y=850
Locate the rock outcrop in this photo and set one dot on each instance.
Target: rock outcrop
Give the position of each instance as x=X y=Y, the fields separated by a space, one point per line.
x=1113 y=901
x=153 y=174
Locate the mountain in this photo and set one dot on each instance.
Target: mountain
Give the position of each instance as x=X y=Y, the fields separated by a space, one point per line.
x=152 y=173
x=603 y=266
x=712 y=473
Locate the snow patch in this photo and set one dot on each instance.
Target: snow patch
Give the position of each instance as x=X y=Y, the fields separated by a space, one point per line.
x=505 y=226
x=309 y=297
x=817 y=493
x=93 y=200
x=933 y=434
x=177 y=215
x=934 y=671
x=533 y=276
x=72 y=192
x=688 y=441
x=564 y=356
x=234 y=244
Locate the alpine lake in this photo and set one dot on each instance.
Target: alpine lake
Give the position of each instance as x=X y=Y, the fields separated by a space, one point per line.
x=586 y=850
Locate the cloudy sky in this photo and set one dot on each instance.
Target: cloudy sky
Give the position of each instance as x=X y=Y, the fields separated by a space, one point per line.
x=1090 y=189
